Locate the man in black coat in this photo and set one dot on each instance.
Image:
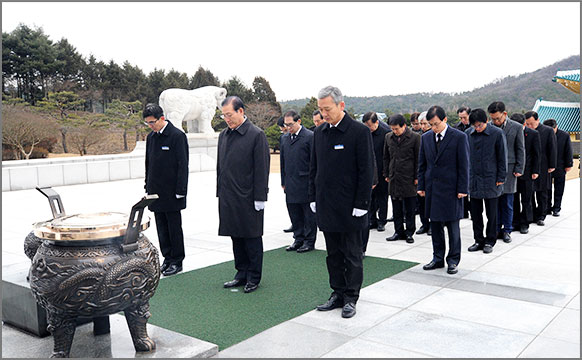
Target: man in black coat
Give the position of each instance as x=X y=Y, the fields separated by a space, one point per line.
x=463 y=125
x=443 y=181
x=166 y=174
x=424 y=220
x=564 y=164
x=401 y=149
x=295 y=158
x=522 y=198
x=379 y=206
x=242 y=172
x=547 y=164
x=488 y=154
x=340 y=184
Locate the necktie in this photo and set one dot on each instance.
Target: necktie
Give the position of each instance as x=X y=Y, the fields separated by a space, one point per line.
x=438 y=142
x=293 y=137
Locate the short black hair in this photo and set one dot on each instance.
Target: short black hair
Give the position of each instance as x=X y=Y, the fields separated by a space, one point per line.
x=435 y=110
x=317 y=112
x=551 y=123
x=414 y=116
x=397 y=119
x=531 y=114
x=370 y=115
x=154 y=110
x=235 y=101
x=464 y=108
x=293 y=114
x=496 y=106
x=518 y=117
x=477 y=115
x=281 y=121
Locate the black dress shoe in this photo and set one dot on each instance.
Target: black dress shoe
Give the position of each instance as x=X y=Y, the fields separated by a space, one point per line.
x=487 y=249
x=250 y=287
x=304 y=248
x=289 y=230
x=293 y=246
x=373 y=226
x=506 y=237
x=234 y=283
x=556 y=213
x=540 y=222
x=429 y=232
x=164 y=266
x=334 y=302
x=173 y=269
x=523 y=229
x=475 y=247
x=433 y=265
x=422 y=230
x=409 y=239
x=500 y=235
x=394 y=238
x=381 y=227
x=349 y=310
x=452 y=269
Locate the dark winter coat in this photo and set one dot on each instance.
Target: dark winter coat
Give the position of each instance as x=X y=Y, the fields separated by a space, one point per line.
x=166 y=168
x=341 y=173
x=242 y=177
x=515 y=154
x=549 y=156
x=532 y=153
x=378 y=139
x=401 y=163
x=295 y=157
x=564 y=153
x=444 y=174
x=488 y=154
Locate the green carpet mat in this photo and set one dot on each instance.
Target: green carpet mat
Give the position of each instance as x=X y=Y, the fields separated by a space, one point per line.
x=195 y=303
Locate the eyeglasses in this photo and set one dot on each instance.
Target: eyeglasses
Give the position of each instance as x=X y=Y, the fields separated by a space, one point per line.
x=479 y=126
x=289 y=125
x=151 y=122
x=226 y=116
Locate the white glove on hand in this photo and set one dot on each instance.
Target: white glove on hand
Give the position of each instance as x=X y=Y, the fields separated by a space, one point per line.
x=359 y=212
x=312 y=206
x=259 y=205
x=179 y=196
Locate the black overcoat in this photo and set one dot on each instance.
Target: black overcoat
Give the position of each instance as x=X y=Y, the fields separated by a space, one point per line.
x=444 y=174
x=378 y=138
x=549 y=154
x=564 y=151
x=401 y=163
x=242 y=177
x=532 y=153
x=166 y=168
x=488 y=154
x=341 y=173
x=295 y=157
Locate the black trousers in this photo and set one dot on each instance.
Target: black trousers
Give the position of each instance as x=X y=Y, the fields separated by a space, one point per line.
x=344 y=263
x=438 y=241
x=170 y=235
x=466 y=206
x=559 y=184
x=422 y=211
x=404 y=207
x=303 y=223
x=477 y=217
x=540 y=204
x=522 y=206
x=248 y=258
x=379 y=204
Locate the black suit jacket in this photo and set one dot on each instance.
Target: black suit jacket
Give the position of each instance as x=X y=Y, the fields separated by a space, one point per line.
x=532 y=153
x=564 y=159
x=341 y=173
x=166 y=168
x=549 y=156
x=295 y=157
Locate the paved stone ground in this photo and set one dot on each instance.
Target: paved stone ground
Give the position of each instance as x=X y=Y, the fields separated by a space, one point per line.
x=522 y=300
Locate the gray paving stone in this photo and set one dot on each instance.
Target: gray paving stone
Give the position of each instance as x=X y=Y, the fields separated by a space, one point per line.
x=531 y=269
x=396 y=293
x=445 y=337
x=289 y=339
x=504 y=313
x=358 y=348
x=543 y=347
x=368 y=314
x=574 y=303
x=566 y=327
x=432 y=278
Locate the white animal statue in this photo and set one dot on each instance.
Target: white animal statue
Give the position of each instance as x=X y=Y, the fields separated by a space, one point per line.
x=196 y=107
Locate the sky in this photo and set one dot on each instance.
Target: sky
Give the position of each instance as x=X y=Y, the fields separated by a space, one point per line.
x=365 y=49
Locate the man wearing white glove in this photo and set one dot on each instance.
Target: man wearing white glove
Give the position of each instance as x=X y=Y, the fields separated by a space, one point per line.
x=242 y=172
x=340 y=186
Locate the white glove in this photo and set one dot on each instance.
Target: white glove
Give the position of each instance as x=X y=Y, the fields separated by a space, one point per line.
x=179 y=196
x=359 y=212
x=259 y=205
x=312 y=206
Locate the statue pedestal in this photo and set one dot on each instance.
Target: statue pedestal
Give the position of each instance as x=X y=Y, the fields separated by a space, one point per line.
x=202 y=152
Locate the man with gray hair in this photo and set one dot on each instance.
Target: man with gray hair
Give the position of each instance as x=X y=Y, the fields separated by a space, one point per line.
x=340 y=184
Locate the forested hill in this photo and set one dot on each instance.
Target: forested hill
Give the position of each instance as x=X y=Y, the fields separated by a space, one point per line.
x=519 y=93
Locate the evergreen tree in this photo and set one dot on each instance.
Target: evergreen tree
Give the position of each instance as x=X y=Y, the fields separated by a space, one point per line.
x=203 y=77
